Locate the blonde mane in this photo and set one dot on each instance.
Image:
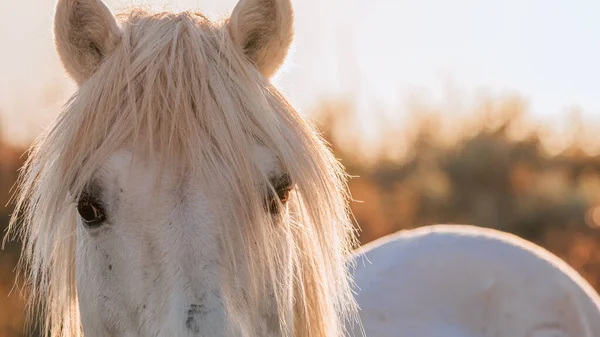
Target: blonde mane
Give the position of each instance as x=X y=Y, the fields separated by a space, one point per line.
x=178 y=89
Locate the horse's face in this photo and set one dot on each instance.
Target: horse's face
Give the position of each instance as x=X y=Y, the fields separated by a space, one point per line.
x=148 y=259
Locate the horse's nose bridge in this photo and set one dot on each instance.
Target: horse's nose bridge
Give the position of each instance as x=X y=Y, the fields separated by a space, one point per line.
x=187 y=293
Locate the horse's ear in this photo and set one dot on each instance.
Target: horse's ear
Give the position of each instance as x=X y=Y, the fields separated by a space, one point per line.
x=264 y=30
x=84 y=32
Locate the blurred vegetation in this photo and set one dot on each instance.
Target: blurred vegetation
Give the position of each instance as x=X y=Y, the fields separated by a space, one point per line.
x=489 y=170
x=12 y=305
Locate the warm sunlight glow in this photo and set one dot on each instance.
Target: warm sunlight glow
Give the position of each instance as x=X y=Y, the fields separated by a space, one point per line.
x=378 y=52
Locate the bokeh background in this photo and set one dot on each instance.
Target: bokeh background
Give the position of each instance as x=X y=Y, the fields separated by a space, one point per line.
x=468 y=111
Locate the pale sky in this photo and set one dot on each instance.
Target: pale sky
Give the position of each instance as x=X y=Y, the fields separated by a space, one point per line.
x=376 y=51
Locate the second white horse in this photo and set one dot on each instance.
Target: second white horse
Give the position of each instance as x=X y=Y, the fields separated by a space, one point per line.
x=462 y=281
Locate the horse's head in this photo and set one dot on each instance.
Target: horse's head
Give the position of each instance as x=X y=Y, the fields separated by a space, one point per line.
x=179 y=194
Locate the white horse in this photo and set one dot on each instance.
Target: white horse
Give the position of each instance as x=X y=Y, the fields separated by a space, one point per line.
x=179 y=194
x=462 y=281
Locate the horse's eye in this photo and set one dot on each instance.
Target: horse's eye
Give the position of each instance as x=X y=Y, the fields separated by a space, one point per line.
x=284 y=194
x=283 y=187
x=90 y=212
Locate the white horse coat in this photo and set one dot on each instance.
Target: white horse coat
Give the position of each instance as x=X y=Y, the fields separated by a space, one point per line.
x=462 y=281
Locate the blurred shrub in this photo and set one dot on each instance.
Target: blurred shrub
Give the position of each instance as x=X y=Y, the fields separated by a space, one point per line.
x=493 y=172
x=11 y=307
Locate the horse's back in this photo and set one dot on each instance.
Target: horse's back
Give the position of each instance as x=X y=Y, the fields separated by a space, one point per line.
x=446 y=281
